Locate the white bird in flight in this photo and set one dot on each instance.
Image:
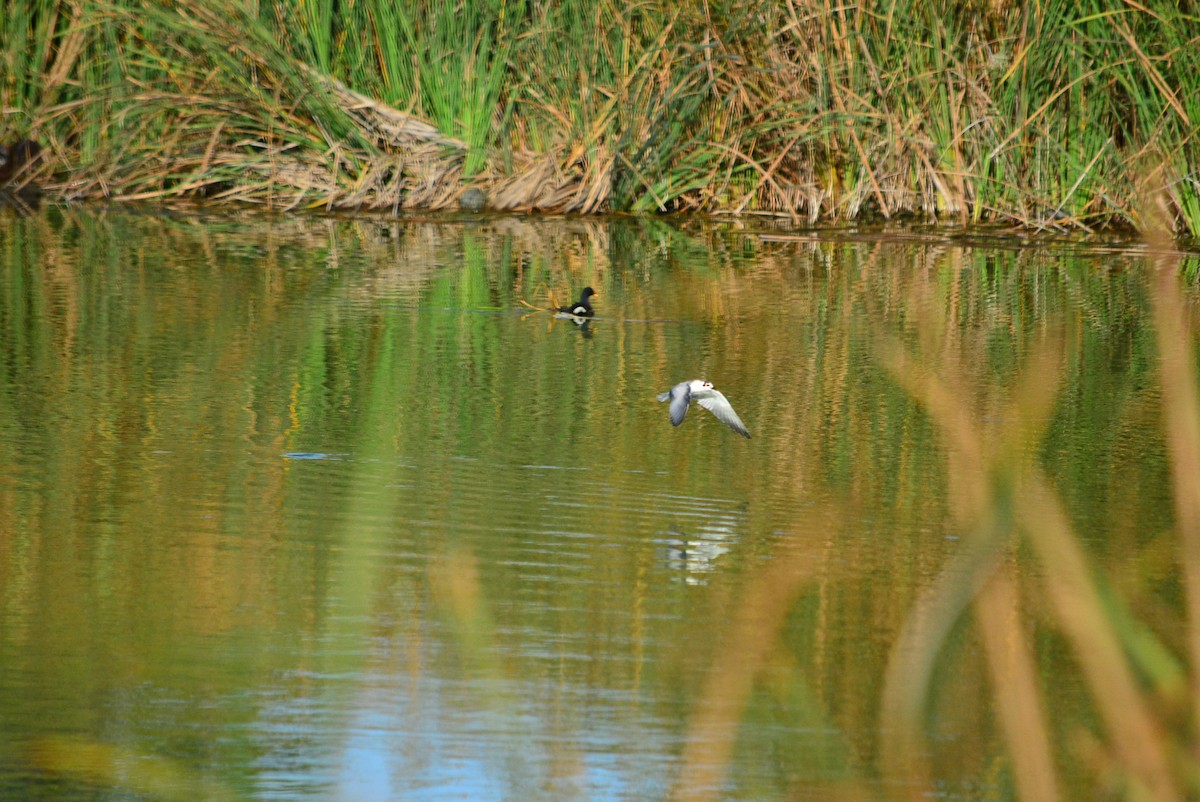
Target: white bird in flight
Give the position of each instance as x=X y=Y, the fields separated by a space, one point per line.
x=707 y=396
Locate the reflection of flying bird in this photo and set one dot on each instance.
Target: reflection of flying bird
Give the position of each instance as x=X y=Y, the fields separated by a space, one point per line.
x=698 y=554
x=582 y=307
x=707 y=396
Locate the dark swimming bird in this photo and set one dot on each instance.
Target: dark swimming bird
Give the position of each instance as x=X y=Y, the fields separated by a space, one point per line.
x=707 y=396
x=582 y=307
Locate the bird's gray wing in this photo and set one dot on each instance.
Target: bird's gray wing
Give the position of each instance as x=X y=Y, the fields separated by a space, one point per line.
x=680 y=396
x=716 y=403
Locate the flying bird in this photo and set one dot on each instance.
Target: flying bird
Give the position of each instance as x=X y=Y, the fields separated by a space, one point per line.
x=582 y=307
x=703 y=393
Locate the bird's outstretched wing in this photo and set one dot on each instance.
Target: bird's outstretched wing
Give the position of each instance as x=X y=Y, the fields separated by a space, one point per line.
x=716 y=403
x=680 y=396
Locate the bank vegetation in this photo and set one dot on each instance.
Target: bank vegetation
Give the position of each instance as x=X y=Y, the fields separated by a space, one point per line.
x=1049 y=114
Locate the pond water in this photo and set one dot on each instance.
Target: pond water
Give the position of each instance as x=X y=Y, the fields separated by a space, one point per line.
x=316 y=508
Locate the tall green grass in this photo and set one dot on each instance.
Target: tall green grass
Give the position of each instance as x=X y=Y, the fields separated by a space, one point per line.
x=445 y=62
x=959 y=111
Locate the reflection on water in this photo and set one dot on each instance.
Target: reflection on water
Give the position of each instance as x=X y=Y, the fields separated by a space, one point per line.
x=316 y=508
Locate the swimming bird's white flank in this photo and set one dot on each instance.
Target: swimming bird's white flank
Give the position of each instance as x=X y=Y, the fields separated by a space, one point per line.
x=707 y=396
x=582 y=307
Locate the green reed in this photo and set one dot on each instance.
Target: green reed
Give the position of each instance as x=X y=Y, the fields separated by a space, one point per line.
x=445 y=62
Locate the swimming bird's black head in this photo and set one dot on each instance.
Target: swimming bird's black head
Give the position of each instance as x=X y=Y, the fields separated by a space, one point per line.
x=588 y=292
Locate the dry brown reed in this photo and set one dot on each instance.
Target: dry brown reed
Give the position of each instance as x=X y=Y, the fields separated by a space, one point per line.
x=748 y=641
x=1174 y=315
x=1003 y=502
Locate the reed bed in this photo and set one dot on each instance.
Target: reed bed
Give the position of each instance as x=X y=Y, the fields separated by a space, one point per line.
x=963 y=112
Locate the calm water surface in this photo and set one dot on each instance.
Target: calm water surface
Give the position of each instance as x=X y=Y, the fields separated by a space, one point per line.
x=312 y=509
